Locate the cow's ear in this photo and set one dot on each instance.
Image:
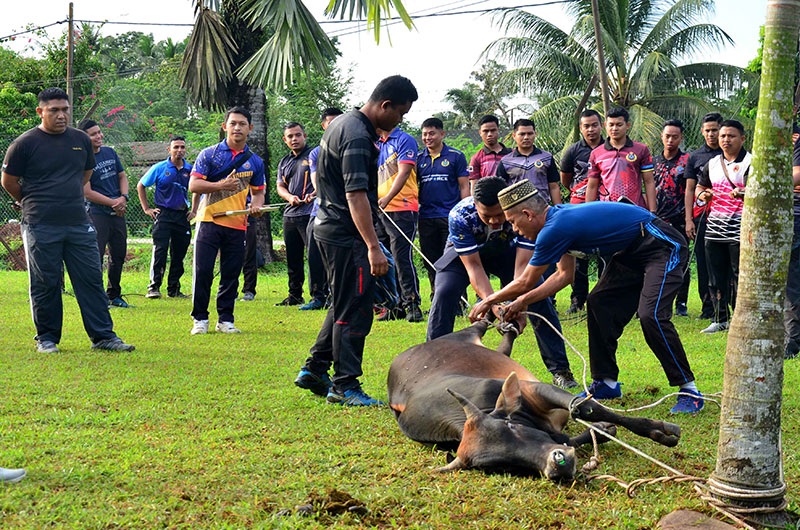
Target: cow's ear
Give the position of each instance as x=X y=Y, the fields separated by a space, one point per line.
x=510 y=399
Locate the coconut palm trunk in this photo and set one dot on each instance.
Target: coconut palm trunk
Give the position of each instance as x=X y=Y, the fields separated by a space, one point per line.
x=749 y=469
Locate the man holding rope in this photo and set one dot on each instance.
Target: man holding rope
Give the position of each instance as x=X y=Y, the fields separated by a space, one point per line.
x=643 y=277
x=224 y=173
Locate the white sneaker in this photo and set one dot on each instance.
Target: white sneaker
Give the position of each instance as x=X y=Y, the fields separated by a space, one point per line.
x=200 y=327
x=227 y=327
x=11 y=475
x=715 y=327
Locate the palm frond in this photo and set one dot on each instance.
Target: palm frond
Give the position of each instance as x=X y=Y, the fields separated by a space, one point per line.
x=645 y=125
x=654 y=67
x=640 y=20
x=373 y=10
x=298 y=42
x=716 y=78
x=681 y=15
x=553 y=122
x=693 y=40
x=208 y=60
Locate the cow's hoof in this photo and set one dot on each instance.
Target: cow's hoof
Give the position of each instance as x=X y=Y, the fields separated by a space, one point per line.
x=606 y=427
x=668 y=435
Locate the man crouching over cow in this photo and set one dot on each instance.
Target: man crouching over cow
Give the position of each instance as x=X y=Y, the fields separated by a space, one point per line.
x=643 y=277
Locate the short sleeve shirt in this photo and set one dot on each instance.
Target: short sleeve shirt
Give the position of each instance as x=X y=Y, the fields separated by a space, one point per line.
x=484 y=163
x=619 y=170
x=576 y=161
x=312 y=163
x=670 y=179
x=694 y=167
x=347 y=162
x=295 y=173
x=438 y=181
x=396 y=149
x=211 y=161
x=538 y=168
x=105 y=178
x=171 y=183
x=725 y=214
x=51 y=168
x=469 y=234
x=584 y=229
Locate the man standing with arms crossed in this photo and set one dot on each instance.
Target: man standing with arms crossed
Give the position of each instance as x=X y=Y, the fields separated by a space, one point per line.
x=347 y=185
x=45 y=169
x=171 y=216
x=107 y=193
x=224 y=173
x=484 y=162
x=574 y=173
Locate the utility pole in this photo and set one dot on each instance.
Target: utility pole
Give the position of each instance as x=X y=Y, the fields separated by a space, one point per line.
x=70 y=43
x=601 y=59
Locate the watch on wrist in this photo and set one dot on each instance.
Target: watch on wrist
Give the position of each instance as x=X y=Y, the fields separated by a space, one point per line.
x=126 y=197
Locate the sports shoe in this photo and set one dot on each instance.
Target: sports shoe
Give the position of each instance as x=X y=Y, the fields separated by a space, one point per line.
x=688 y=404
x=313 y=305
x=354 y=397
x=178 y=295
x=119 y=302
x=414 y=314
x=386 y=315
x=291 y=300
x=227 y=327
x=715 y=327
x=599 y=390
x=200 y=327
x=318 y=384
x=681 y=310
x=153 y=293
x=788 y=354
x=247 y=297
x=574 y=307
x=46 y=346
x=564 y=379
x=114 y=344
x=11 y=475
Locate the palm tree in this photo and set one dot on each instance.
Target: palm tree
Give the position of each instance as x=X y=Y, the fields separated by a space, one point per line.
x=240 y=48
x=646 y=46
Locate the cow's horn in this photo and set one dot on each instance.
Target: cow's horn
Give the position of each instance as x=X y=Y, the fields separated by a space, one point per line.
x=469 y=407
x=455 y=465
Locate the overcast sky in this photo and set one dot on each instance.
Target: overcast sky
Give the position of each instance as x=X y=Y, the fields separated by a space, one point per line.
x=439 y=54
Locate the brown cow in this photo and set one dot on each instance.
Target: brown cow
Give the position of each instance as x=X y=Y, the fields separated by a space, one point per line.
x=459 y=395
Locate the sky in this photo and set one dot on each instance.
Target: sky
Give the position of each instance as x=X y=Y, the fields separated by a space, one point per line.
x=438 y=54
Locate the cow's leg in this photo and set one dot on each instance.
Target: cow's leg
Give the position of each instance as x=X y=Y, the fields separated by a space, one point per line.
x=545 y=397
x=585 y=437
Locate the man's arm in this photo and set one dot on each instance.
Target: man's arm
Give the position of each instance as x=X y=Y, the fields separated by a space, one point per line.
x=256 y=201
x=650 y=190
x=141 y=191
x=592 y=186
x=200 y=185
x=99 y=198
x=463 y=187
x=688 y=203
x=403 y=172
x=522 y=258
x=358 y=204
x=12 y=186
x=555 y=192
x=283 y=191
x=795 y=176
x=191 y=214
x=477 y=275
x=566 y=179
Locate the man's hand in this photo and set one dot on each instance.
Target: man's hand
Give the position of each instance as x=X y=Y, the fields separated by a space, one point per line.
x=229 y=183
x=378 y=264
x=736 y=193
x=706 y=195
x=191 y=214
x=255 y=211
x=382 y=202
x=153 y=212
x=118 y=205
x=310 y=198
x=294 y=200
x=514 y=310
x=479 y=311
x=690 y=229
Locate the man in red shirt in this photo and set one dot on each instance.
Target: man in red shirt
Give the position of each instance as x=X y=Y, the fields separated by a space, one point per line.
x=484 y=163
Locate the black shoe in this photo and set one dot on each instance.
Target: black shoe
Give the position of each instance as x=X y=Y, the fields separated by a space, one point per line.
x=291 y=300
x=788 y=354
x=177 y=295
x=564 y=379
x=574 y=307
x=414 y=314
x=397 y=313
x=681 y=310
x=318 y=384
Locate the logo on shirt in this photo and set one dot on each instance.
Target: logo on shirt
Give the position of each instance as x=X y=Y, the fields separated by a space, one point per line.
x=469 y=169
x=166 y=173
x=736 y=168
x=247 y=165
x=445 y=163
x=77 y=148
x=411 y=154
x=538 y=163
x=631 y=157
x=305 y=163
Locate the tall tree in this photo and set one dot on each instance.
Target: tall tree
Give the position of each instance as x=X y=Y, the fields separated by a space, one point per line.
x=646 y=44
x=749 y=470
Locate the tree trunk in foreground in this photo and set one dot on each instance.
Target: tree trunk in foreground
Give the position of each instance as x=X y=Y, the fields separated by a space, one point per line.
x=749 y=470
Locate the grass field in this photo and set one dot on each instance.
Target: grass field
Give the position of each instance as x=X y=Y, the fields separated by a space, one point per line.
x=209 y=431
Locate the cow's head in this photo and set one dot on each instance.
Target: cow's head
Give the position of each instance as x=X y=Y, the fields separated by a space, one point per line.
x=494 y=442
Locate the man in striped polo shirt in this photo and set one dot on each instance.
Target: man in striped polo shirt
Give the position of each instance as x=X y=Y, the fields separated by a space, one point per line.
x=484 y=162
x=527 y=161
x=723 y=182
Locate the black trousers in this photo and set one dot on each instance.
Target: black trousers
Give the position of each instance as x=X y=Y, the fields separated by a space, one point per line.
x=791 y=307
x=48 y=248
x=349 y=319
x=679 y=224
x=432 y=240
x=402 y=252
x=250 y=265
x=112 y=233
x=580 y=286
x=317 y=277
x=211 y=239
x=643 y=279
x=722 y=258
x=171 y=234
x=702 y=266
x=294 y=237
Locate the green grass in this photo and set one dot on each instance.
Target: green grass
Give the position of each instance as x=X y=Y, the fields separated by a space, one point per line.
x=210 y=432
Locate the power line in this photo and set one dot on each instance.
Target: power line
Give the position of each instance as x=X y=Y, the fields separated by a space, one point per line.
x=31 y=30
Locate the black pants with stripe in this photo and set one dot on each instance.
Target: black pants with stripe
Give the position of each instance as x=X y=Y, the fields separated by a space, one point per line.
x=349 y=319
x=636 y=280
x=211 y=239
x=722 y=258
x=703 y=290
x=294 y=237
x=250 y=266
x=171 y=234
x=317 y=276
x=112 y=233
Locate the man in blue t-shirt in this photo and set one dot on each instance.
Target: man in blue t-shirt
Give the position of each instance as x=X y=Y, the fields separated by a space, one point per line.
x=643 y=277
x=482 y=242
x=171 y=215
x=443 y=181
x=107 y=193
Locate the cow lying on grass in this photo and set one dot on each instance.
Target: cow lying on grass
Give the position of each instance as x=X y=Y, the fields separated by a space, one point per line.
x=459 y=395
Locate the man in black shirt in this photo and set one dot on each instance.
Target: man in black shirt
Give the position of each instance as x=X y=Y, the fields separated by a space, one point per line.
x=347 y=187
x=45 y=169
x=696 y=211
